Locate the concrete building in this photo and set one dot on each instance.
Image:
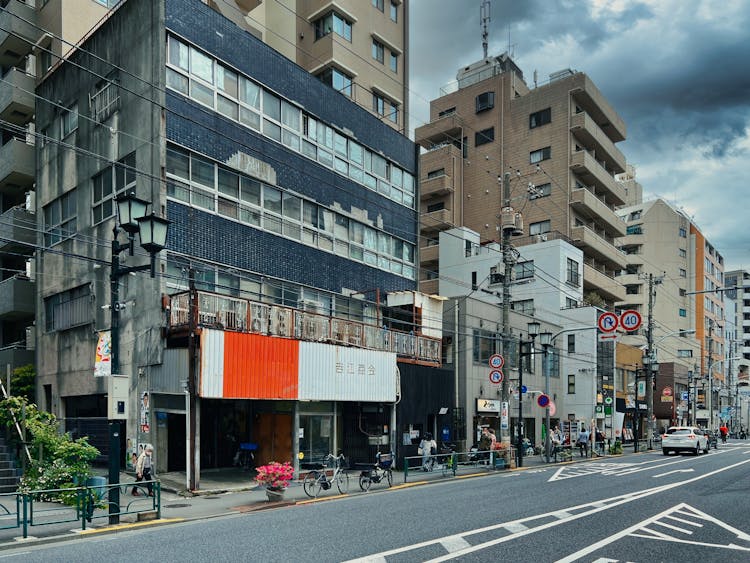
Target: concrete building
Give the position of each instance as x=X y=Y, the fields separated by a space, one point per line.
x=559 y=141
x=290 y=266
x=664 y=243
x=547 y=288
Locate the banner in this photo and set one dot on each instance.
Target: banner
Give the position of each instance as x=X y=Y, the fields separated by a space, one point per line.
x=103 y=357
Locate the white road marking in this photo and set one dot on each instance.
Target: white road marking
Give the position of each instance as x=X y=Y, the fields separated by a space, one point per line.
x=454 y=543
x=674 y=471
x=515 y=527
x=675 y=528
x=562 y=514
x=688 y=522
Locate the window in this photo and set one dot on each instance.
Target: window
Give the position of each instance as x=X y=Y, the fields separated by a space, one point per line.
x=683 y=292
x=683 y=232
x=110 y=182
x=394 y=12
x=540 y=227
x=525 y=306
x=485 y=343
x=633 y=289
x=384 y=107
x=447 y=112
x=69 y=121
x=394 y=62
x=105 y=101
x=495 y=276
x=540 y=155
x=684 y=353
x=379 y=4
x=635 y=215
x=570 y=303
x=573 y=273
x=484 y=136
x=571 y=344
x=337 y=80
x=60 y=219
x=535 y=192
x=332 y=22
x=436 y=173
x=524 y=270
x=634 y=230
x=682 y=252
x=540 y=118
x=436 y=206
x=683 y=273
x=683 y=312
x=68 y=309
x=378 y=51
x=485 y=101
x=571 y=384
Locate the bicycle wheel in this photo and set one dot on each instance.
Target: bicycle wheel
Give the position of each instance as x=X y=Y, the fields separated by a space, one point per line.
x=342 y=483
x=365 y=481
x=389 y=477
x=311 y=484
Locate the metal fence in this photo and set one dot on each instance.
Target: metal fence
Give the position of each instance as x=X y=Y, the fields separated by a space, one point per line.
x=454 y=464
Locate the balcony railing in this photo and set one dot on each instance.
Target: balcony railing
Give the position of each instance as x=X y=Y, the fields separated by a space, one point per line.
x=235 y=314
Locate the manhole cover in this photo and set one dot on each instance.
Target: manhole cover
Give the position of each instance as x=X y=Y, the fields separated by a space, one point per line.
x=177 y=506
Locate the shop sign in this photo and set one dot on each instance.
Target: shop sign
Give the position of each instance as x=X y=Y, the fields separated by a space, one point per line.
x=488 y=405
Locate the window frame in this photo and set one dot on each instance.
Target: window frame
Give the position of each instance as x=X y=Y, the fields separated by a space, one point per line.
x=539 y=118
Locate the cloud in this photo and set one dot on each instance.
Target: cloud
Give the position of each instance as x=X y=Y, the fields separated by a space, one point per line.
x=675 y=70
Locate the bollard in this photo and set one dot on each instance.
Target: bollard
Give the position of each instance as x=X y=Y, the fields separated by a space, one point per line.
x=406 y=469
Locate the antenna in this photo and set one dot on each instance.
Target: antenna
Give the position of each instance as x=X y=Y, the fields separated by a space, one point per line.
x=484 y=14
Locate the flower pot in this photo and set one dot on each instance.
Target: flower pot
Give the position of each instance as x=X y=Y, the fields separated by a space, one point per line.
x=275 y=495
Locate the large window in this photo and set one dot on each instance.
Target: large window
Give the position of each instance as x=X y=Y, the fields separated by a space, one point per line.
x=485 y=343
x=540 y=155
x=110 y=182
x=337 y=80
x=525 y=306
x=69 y=121
x=573 y=273
x=68 y=309
x=60 y=219
x=540 y=227
x=539 y=118
x=240 y=99
x=333 y=22
x=524 y=270
x=484 y=136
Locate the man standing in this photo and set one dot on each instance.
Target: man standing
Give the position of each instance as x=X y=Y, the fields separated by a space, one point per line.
x=583 y=442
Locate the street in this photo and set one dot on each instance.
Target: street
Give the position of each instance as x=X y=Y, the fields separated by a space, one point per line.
x=644 y=507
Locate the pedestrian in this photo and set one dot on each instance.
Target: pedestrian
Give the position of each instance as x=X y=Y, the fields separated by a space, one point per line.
x=144 y=470
x=724 y=431
x=485 y=443
x=583 y=442
x=427 y=449
x=599 y=442
x=493 y=438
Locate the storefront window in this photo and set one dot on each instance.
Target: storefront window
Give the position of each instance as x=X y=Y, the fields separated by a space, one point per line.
x=316 y=436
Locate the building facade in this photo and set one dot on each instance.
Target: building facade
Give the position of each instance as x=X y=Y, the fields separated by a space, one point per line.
x=290 y=268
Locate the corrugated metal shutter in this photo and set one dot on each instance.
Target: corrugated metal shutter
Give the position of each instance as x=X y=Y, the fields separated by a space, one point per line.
x=260 y=367
x=338 y=373
x=171 y=375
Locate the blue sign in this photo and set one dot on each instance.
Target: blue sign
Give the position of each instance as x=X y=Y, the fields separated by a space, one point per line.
x=685 y=396
x=523 y=389
x=446 y=433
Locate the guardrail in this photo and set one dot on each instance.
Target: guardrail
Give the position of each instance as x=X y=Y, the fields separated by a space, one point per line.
x=455 y=463
x=84 y=504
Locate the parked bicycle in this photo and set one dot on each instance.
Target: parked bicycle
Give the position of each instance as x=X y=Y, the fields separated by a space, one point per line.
x=318 y=480
x=380 y=472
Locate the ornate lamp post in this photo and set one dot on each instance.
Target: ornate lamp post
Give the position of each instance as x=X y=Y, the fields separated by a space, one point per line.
x=545 y=339
x=131 y=212
x=533 y=328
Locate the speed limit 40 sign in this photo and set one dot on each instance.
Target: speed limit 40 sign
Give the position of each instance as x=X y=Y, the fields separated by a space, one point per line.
x=630 y=320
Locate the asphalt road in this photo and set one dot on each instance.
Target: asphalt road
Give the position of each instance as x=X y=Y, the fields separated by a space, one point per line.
x=643 y=507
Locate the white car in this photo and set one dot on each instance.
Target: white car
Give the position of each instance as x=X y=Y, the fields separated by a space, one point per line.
x=684 y=438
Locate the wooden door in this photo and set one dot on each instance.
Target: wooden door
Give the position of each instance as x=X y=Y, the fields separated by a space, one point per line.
x=274 y=436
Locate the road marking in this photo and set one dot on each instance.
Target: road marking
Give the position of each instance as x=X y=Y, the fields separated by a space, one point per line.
x=562 y=514
x=454 y=543
x=577 y=512
x=674 y=471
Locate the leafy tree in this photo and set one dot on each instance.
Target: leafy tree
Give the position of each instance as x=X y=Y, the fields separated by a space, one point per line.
x=23 y=381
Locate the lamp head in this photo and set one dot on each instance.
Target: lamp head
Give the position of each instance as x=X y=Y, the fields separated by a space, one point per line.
x=533 y=328
x=545 y=338
x=153 y=232
x=129 y=209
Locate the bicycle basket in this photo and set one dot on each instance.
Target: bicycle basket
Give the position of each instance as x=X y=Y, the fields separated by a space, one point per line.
x=385 y=461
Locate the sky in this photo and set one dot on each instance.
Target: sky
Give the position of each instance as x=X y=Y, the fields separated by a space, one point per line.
x=676 y=71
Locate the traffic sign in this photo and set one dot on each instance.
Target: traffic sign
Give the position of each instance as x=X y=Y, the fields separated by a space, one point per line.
x=523 y=389
x=496 y=376
x=607 y=322
x=630 y=320
x=685 y=396
x=543 y=400
x=497 y=361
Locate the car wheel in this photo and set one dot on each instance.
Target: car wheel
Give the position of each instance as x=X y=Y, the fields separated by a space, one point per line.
x=665 y=452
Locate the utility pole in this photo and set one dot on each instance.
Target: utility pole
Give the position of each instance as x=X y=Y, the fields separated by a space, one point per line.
x=192 y=481
x=653 y=367
x=710 y=374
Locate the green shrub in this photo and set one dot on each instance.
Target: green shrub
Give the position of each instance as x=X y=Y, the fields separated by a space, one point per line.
x=57 y=461
x=615 y=447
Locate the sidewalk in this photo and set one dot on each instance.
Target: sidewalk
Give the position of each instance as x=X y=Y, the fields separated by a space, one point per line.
x=221 y=492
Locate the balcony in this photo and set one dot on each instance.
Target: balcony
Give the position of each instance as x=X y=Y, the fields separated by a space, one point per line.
x=588 y=97
x=437 y=186
x=16 y=298
x=17 y=230
x=598 y=248
x=590 y=134
x=17 y=167
x=234 y=314
x=16 y=35
x=442 y=131
x=429 y=287
x=17 y=97
x=16 y=356
x=608 y=287
x=434 y=221
x=591 y=207
x=594 y=174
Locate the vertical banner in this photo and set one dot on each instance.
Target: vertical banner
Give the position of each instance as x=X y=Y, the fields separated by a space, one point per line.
x=103 y=357
x=145 y=426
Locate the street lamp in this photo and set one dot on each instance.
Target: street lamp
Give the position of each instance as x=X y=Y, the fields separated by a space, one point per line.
x=533 y=331
x=131 y=212
x=545 y=339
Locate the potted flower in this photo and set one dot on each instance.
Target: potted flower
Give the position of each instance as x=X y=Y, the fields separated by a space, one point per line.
x=275 y=477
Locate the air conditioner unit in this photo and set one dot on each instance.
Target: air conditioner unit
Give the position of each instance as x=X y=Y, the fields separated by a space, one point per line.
x=541 y=238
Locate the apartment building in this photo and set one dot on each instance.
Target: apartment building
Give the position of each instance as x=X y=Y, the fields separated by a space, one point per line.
x=740 y=279
x=293 y=224
x=359 y=47
x=559 y=143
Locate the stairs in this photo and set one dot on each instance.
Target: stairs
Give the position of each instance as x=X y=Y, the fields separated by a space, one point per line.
x=9 y=471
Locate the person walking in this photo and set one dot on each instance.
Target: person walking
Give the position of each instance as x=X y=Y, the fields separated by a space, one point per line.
x=144 y=470
x=724 y=431
x=583 y=442
x=427 y=448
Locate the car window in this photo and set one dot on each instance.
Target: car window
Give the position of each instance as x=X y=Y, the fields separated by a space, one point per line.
x=679 y=431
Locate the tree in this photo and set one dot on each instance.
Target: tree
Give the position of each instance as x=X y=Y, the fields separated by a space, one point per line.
x=23 y=382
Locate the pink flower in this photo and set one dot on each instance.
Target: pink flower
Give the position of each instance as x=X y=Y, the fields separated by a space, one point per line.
x=275 y=475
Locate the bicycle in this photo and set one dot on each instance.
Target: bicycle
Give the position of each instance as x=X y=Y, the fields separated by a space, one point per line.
x=381 y=471
x=317 y=480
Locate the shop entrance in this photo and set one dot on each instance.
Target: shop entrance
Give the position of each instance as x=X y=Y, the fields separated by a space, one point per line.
x=274 y=437
x=176 y=442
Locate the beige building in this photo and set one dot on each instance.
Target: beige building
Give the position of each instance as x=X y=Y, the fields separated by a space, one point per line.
x=356 y=46
x=558 y=140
